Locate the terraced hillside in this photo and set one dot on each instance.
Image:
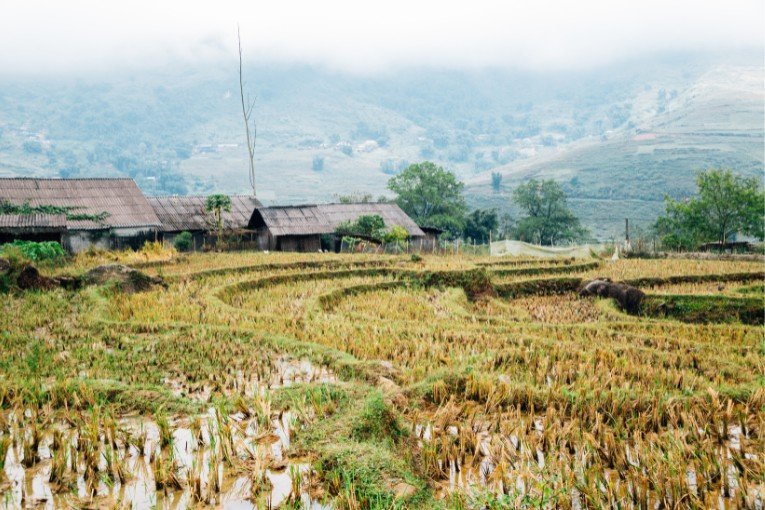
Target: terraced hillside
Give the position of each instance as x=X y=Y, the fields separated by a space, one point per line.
x=329 y=381
x=715 y=122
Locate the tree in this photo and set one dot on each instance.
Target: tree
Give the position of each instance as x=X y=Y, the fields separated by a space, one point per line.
x=496 y=181
x=726 y=204
x=481 y=224
x=432 y=196
x=217 y=204
x=250 y=129
x=547 y=219
x=367 y=225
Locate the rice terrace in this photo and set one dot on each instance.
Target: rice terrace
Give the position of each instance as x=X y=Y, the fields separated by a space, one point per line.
x=277 y=380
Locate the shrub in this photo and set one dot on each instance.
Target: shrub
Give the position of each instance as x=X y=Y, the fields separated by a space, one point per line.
x=34 y=251
x=183 y=241
x=397 y=234
x=378 y=420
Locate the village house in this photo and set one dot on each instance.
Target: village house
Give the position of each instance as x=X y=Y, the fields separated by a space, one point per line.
x=301 y=227
x=188 y=214
x=108 y=213
x=289 y=228
x=113 y=213
x=32 y=227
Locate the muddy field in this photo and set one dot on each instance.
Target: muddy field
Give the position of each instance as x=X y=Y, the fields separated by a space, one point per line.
x=257 y=380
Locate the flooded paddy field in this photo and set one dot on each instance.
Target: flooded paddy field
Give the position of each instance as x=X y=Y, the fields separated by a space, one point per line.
x=353 y=382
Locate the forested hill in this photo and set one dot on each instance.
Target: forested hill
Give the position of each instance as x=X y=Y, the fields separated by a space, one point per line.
x=617 y=138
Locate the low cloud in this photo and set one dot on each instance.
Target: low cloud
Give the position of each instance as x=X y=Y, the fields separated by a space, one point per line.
x=53 y=37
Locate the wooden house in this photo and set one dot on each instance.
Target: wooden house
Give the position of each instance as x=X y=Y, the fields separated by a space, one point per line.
x=188 y=214
x=289 y=228
x=104 y=213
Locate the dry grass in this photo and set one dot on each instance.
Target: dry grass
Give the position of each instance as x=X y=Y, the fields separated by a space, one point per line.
x=551 y=401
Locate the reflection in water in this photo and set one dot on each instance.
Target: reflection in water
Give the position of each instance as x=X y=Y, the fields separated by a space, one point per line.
x=240 y=461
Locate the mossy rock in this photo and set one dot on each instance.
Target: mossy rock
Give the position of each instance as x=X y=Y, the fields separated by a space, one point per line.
x=704 y=309
x=124 y=278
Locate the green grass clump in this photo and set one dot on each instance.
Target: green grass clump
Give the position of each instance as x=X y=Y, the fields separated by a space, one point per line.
x=378 y=421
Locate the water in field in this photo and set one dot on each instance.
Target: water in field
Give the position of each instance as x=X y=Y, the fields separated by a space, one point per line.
x=505 y=464
x=284 y=372
x=236 y=461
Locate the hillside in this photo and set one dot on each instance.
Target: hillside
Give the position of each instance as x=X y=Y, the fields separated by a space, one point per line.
x=617 y=137
x=717 y=121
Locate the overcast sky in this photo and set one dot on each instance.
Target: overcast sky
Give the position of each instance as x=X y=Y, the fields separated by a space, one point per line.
x=57 y=36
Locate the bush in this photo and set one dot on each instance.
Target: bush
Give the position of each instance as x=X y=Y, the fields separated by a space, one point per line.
x=183 y=241
x=34 y=251
x=397 y=234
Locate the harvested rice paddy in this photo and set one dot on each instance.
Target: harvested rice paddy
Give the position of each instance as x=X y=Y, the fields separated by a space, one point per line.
x=259 y=380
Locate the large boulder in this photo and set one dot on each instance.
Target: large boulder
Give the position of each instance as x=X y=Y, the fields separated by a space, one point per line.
x=627 y=297
x=126 y=278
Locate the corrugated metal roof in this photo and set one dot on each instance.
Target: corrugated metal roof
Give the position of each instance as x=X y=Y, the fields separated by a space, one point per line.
x=391 y=214
x=325 y=218
x=125 y=205
x=292 y=220
x=33 y=222
x=188 y=213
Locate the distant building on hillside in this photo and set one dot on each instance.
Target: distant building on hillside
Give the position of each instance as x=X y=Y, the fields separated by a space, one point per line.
x=187 y=214
x=79 y=213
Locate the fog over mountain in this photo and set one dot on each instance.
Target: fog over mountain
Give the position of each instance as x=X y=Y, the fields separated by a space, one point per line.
x=44 y=36
x=620 y=103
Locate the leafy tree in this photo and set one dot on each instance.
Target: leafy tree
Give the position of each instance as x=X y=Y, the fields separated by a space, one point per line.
x=216 y=205
x=431 y=195
x=547 y=219
x=368 y=225
x=726 y=204
x=496 y=180
x=480 y=224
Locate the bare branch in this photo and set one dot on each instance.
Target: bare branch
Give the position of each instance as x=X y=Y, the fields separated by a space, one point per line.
x=246 y=114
